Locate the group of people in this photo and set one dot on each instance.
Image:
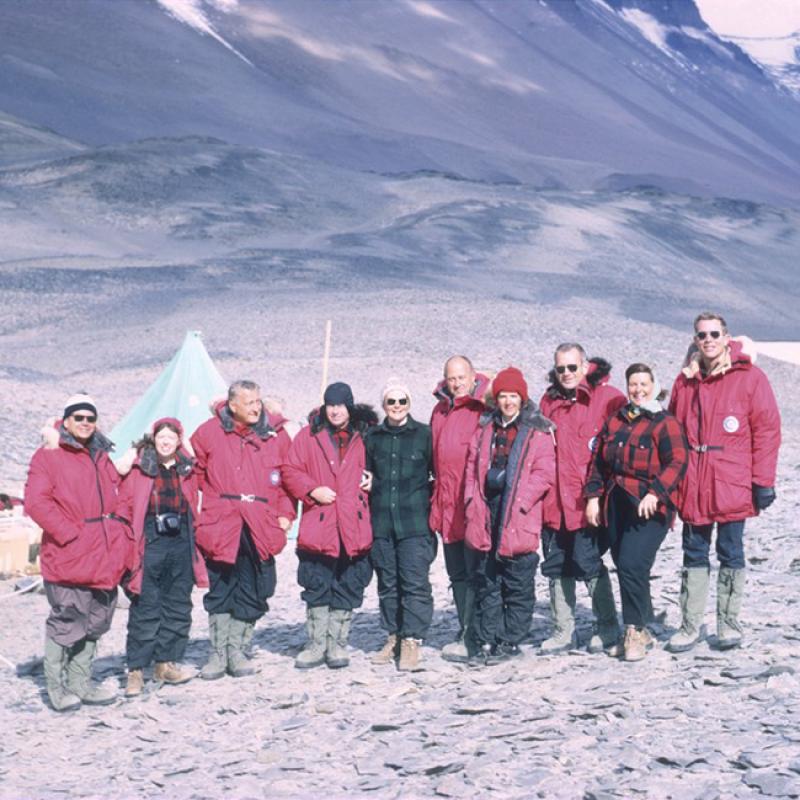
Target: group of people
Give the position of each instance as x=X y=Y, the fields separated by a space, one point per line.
x=587 y=471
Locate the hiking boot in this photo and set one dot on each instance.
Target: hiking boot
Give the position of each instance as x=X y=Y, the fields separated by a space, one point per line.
x=456 y=651
x=694 y=590
x=605 y=630
x=240 y=635
x=388 y=652
x=79 y=675
x=482 y=657
x=562 y=607
x=730 y=593
x=135 y=684
x=170 y=672
x=313 y=653
x=336 y=642
x=409 y=655
x=637 y=642
x=55 y=659
x=218 y=630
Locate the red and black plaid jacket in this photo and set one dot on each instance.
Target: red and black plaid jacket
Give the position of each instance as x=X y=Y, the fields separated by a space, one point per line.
x=641 y=454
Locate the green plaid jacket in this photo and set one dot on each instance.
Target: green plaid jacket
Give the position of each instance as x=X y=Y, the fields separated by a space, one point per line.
x=400 y=460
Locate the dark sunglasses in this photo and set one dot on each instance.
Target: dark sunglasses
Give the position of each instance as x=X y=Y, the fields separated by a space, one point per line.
x=703 y=335
x=562 y=369
x=84 y=417
x=400 y=401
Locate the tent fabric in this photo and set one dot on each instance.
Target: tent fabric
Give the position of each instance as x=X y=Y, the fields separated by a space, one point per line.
x=184 y=390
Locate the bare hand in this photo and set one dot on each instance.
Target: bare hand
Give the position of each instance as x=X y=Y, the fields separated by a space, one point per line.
x=366 y=481
x=285 y=523
x=593 y=511
x=648 y=505
x=323 y=495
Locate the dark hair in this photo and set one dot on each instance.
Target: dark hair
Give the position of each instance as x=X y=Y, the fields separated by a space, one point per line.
x=149 y=439
x=638 y=367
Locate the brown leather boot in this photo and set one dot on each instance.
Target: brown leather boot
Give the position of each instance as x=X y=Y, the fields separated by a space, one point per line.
x=637 y=642
x=409 y=655
x=170 y=672
x=388 y=652
x=135 y=684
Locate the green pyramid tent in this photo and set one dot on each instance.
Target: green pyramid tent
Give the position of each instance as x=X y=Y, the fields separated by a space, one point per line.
x=183 y=390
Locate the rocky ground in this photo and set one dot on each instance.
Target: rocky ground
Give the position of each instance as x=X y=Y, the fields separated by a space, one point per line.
x=700 y=725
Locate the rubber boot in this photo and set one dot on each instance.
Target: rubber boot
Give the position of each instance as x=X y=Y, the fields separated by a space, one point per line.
x=730 y=593
x=459 y=651
x=694 y=591
x=218 y=632
x=605 y=631
x=313 y=653
x=240 y=634
x=562 y=606
x=55 y=659
x=79 y=675
x=336 y=641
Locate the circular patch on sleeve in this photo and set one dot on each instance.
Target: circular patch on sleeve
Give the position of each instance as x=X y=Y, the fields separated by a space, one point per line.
x=731 y=424
x=275 y=477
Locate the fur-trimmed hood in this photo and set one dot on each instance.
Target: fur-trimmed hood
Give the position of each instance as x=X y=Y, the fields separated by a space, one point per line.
x=147 y=462
x=482 y=388
x=529 y=417
x=598 y=374
x=362 y=417
x=267 y=426
x=99 y=443
x=741 y=353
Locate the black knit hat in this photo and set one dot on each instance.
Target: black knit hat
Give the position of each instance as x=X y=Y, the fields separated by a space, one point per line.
x=339 y=394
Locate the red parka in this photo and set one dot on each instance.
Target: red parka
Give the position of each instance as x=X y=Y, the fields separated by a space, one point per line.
x=71 y=493
x=530 y=474
x=314 y=461
x=733 y=426
x=578 y=420
x=453 y=424
x=134 y=502
x=240 y=476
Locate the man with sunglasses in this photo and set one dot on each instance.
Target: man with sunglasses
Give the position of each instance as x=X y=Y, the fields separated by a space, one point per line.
x=71 y=493
x=455 y=418
x=727 y=407
x=579 y=400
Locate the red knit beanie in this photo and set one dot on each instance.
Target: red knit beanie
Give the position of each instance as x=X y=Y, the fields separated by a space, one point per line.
x=510 y=379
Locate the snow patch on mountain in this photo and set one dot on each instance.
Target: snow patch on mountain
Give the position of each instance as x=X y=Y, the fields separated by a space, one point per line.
x=191 y=13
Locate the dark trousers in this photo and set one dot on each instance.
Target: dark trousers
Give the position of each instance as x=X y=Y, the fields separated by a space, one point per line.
x=78 y=613
x=454 y=561
x=504 y=596
x=573 y=554
x=241 y=589
x=404 y=586
x=337 y=583
x=160 y=617
x=730 y=544
x=634 y=543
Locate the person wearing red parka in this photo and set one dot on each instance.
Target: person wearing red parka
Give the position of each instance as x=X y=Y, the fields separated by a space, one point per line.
x=454 y=420
x=244 y=517
x=325 y=472
x=731 y=418
x=71 y=493
x=159 y=497
x=579 y=400
x=510 y=469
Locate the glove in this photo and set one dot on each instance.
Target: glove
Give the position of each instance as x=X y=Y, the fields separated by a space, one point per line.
x=763 y=496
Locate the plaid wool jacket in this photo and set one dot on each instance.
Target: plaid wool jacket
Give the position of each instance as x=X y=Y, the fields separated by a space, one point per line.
x=400 y=460
x=641 y=454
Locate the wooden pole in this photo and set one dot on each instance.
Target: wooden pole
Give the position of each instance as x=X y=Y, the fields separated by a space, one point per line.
x=325 y=358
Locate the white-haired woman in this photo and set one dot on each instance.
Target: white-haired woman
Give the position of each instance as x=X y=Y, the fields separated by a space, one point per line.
x=399 y=453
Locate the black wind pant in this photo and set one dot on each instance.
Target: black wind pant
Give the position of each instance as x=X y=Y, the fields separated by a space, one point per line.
x=241 y=589
x=404 y=586
x=160 y=617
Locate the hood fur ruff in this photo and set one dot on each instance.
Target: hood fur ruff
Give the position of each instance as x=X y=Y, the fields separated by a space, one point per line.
x=598 y=373
x=742 y=349
x=529 y=416
x=362 y=417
